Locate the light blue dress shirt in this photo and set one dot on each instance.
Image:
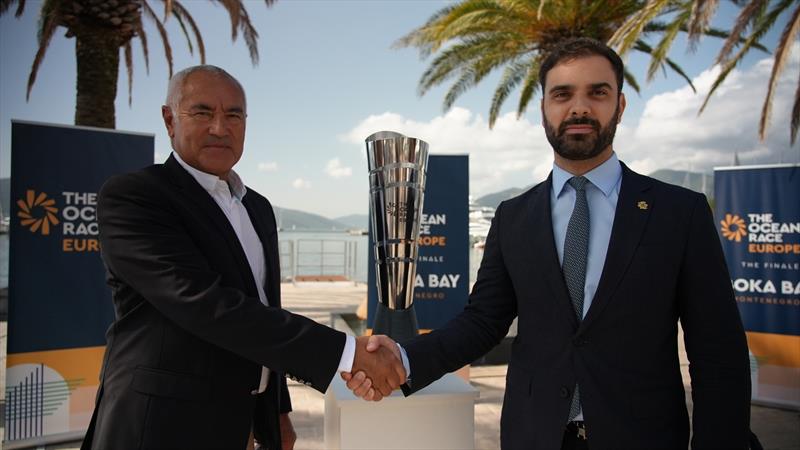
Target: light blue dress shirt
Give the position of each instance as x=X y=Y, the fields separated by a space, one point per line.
x=602 y=193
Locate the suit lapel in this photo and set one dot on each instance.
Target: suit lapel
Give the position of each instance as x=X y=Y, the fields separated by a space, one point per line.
x=541 y=248
x=204 y=203
x=630 y=219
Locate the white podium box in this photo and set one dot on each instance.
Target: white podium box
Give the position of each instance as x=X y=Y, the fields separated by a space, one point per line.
x=441 y=416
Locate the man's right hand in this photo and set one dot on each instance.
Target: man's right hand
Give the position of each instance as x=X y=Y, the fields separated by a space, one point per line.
x=380 y=363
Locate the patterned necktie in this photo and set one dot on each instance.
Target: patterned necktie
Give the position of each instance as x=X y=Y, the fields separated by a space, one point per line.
x=576 y=249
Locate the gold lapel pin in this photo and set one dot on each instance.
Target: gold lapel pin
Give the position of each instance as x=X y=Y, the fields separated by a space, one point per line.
x=642 y=205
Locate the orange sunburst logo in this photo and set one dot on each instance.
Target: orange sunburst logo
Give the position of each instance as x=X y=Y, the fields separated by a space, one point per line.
x=733 y=227
x=37 y=212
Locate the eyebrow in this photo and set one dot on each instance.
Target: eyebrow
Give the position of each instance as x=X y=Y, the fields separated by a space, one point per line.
x=570 y=87
x=204 y=107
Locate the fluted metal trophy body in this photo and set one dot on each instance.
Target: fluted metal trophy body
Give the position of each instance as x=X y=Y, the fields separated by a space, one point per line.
x=397 y=166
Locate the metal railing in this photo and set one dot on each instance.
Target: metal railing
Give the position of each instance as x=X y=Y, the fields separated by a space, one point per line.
x=325 y=258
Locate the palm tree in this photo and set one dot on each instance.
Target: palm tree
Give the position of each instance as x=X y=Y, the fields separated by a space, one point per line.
x=755 y=19
x=475 y=37
x=102 y=27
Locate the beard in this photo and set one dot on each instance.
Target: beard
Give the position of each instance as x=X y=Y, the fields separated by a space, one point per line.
x=578 y=147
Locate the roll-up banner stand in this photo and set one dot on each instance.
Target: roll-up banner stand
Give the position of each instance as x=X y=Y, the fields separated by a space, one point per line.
x=59 y=304
x=758 y=215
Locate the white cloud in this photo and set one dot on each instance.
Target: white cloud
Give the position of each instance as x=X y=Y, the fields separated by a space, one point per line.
x=513 y=146
x=270 y=166
x=336 y=170
x=300 y=183
x=669 y=133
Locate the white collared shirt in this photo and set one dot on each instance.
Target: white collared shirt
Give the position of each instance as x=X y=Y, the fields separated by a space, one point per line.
x=228 y=197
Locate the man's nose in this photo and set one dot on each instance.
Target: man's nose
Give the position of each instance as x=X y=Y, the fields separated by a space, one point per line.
x=218 y=125
x=579 y=107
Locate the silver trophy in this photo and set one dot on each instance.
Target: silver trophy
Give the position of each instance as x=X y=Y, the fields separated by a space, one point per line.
x=397 y=166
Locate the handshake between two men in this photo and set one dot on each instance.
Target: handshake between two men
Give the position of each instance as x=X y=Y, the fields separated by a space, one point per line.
x=377 y=368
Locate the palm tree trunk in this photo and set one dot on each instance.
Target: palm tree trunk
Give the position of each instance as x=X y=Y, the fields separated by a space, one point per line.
x=97 y=54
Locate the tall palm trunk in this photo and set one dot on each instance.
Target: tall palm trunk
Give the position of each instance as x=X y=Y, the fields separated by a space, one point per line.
x=97 y=54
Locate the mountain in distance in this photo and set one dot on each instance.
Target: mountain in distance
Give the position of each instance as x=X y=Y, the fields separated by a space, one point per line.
x=292 y=219
x=696 y=181
x=493 y=200
x=354 y=221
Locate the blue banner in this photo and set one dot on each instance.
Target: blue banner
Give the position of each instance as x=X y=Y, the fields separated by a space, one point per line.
x=59 y=303
x=759 y=219
x=442 y=282
x=758 y=214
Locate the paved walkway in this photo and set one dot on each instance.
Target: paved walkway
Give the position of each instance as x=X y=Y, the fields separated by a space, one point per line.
x=777 y=429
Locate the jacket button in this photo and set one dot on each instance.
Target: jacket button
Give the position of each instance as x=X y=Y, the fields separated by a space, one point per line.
x=564 y=392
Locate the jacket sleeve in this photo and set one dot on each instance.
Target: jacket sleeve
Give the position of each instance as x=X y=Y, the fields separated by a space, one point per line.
x=476 y=330
x=146 y=244
x=715 y=341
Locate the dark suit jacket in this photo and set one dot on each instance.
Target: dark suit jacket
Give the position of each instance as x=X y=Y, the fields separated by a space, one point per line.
x=190 y=334
x=664 y=264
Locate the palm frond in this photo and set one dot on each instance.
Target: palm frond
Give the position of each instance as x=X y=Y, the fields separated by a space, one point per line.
x=183 y=15
x=460 y=55
x=48 y=23
x=529 y=86
x=631 y=80
x=250 y=36
x=626 y=36
x=162 y=31
x=233 y=7
x=415 y=37
x=645 y=48
x=781 y=57
x=185 y=32
x=143 y=38
x=759 y=30
x=700 y=19
x=167 y=9
x=129 y=69
x=5 y=5
x=467 y=18
x=750 y=12
x=512 y=76
x=659 y=53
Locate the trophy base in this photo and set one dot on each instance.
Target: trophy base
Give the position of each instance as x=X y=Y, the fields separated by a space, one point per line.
x=399 y=324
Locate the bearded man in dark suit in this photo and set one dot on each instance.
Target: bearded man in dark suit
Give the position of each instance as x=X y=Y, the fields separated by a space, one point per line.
x=197 y=354
x=599 y=264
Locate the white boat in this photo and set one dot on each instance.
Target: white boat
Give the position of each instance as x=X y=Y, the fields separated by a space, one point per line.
x=480 y=220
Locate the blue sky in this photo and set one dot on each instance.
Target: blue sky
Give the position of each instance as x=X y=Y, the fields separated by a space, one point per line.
x=328 y=77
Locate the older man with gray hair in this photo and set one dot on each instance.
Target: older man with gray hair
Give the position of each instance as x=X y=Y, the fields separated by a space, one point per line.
x=197 y=354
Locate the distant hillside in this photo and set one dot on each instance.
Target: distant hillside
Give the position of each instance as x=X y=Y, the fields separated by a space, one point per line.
x=292 y=219
x=359 y=221
x=689 y=180
x=493 y=200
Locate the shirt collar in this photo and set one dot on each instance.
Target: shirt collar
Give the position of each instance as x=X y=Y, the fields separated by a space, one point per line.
x=209 y=182
x=605 y=176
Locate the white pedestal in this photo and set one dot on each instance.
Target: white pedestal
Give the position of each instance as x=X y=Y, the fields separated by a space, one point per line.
x=441 y=416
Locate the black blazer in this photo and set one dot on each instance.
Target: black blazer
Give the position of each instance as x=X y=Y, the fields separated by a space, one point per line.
x=664 y=264
x=190 y=334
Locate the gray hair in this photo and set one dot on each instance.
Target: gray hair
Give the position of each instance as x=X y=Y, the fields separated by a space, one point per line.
x=175 y=89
